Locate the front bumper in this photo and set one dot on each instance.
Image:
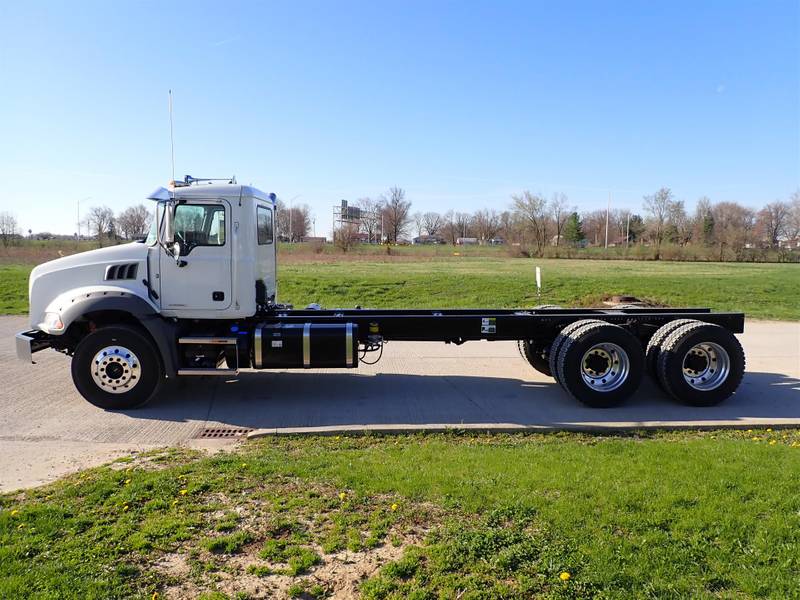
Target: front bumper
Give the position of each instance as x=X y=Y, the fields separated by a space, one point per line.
x=30 y=342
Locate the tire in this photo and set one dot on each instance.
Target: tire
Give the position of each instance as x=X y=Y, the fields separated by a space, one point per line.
x=538 y=358
x=562 y=337
x=654 y=345
x=127 y=376
x=601 y=364
x=700 y=364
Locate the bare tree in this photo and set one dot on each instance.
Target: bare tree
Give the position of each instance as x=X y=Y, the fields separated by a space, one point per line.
x=594 y=225
x=449 y=227
x=532 y=210
x=704 y=222
x=419 y=222
x=773 y=220
x=679 y=225
x=486 y=222
x=101 y=221
x=560 y=212
x=8 y=227
x=293 y=223
x=396 y=211
x=432 y=223
x=793 y=222
x=658 y=206
x=134 y=222
x=463 y=224
x=370 y=217
x=733 y=226
x=345 y=236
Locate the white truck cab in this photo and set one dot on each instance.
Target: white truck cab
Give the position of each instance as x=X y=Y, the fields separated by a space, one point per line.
x=210 y=254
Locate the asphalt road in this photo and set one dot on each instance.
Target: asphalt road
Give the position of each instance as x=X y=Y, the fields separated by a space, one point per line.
x=47 y=429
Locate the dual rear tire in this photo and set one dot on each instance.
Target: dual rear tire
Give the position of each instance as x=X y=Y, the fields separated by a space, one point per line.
x=696 y=363
x=597 y=363
x=601 y=364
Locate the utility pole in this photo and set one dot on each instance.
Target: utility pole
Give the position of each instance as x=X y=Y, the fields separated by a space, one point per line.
x=608 y=208
x=628 y=231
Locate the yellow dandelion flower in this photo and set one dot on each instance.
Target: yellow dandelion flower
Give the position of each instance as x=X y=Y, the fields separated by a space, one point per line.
x=338 y=437
x=769 y=429
x=174 y=502
x=773 y=442
x=394 y=506
x=154 y=596
x=127 y=481
x=14 y=512
x=184 y=492
x=21 y=525
x=126 y=507
x=342 y=495
x=565 y=576
x=755 y=439
x=244 y=464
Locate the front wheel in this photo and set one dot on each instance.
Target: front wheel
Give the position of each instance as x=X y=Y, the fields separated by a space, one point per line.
x=116 y=368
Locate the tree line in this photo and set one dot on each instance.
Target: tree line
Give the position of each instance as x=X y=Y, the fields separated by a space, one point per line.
x=100 y=223
x=724 y=230
x=538 y=222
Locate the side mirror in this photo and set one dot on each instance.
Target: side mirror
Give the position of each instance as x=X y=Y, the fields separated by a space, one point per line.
x=176 y=253
x=169 y=219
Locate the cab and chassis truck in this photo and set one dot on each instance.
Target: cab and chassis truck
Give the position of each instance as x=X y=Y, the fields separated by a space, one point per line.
x=198 y=297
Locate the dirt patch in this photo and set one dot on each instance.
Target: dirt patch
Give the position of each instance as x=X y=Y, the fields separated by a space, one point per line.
x=338 y=575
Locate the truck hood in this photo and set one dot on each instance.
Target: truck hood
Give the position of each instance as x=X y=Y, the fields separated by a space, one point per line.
x=52 y=279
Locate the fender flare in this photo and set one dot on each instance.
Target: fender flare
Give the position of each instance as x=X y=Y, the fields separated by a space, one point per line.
x=161 y=330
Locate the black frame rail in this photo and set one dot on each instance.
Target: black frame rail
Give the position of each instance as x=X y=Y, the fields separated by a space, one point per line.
x=461 y=325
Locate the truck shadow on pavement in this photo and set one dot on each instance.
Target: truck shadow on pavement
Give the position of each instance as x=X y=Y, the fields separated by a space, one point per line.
x=330 y=399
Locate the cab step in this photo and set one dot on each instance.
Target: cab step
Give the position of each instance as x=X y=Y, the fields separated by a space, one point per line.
x=204 y=371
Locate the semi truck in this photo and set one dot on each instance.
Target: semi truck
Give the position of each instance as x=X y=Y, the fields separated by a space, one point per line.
x=199 y=297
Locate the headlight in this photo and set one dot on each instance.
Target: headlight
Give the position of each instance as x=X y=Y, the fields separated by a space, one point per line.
x=53 y=321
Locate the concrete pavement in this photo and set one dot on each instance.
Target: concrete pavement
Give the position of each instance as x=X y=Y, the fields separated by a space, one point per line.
x=47 y=429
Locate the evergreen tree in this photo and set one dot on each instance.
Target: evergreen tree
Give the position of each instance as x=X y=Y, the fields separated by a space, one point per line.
x=573 y=229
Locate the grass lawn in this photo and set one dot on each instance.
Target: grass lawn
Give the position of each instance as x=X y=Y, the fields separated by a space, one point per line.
x=664 y=515
x=767 y=291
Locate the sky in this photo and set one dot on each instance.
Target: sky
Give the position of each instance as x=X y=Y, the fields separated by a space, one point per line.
x=460 y=103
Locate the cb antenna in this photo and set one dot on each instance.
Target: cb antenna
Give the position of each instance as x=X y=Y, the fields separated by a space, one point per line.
x=171 y=137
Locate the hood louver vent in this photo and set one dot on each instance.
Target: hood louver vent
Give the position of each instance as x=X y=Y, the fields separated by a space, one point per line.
x=126 y=271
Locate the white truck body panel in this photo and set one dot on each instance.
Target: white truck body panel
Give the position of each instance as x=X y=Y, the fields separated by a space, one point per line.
x=185 y=292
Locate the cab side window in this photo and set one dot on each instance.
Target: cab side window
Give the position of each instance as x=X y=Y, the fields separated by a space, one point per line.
x=199 y=225
x=264 y=223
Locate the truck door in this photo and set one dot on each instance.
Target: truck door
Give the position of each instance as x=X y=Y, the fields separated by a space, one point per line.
x=203 y=279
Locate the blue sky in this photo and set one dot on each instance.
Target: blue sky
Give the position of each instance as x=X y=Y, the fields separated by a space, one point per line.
x=460 y=103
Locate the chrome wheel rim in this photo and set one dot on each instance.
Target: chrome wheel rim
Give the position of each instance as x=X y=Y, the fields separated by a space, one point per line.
x=115 y=369
x=605 y=367
x=706 y=366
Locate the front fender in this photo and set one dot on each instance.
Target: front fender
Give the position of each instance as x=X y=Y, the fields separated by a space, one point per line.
x=79 y=302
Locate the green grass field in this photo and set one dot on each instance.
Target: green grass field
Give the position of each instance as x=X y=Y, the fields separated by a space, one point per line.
x=666 y=515
x=766 y=291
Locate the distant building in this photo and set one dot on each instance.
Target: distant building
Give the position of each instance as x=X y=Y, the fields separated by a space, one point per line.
x=466 y=241
x=427 y=239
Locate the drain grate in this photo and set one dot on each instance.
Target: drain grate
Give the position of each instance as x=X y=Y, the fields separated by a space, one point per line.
x=223 y=432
